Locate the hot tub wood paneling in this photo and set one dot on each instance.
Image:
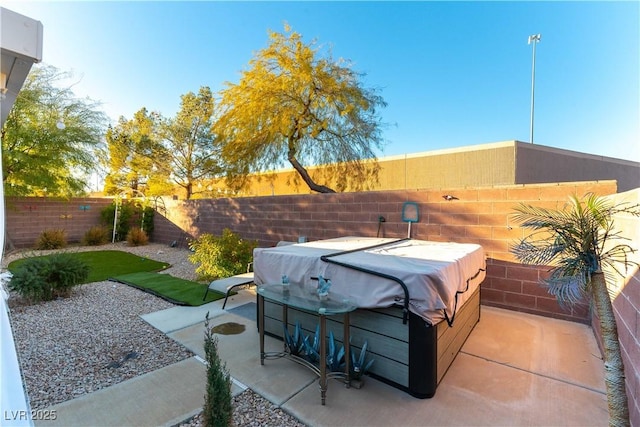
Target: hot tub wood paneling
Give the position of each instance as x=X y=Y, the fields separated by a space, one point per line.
x=413 y=357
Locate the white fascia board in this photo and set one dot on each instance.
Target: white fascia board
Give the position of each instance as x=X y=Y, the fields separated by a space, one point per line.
x=20 y=35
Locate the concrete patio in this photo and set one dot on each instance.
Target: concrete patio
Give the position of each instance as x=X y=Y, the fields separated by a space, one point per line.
x=515 y=369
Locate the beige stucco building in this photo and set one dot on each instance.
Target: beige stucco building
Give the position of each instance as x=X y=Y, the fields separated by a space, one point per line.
x=500 y=163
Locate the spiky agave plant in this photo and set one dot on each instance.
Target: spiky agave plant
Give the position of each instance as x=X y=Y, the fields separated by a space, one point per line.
x=578 y=242
x=335 y=357
x=296 y=343
x=312 y=350
x=359 y=366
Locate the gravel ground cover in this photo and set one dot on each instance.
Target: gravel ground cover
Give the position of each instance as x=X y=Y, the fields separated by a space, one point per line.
x=252 y=410
x=96 y=338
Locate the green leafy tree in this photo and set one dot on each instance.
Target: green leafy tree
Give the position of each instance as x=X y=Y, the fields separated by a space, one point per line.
x=296 y=105
x=189 y=144
x=133 y=149
x=51 y=138
x=579 y=242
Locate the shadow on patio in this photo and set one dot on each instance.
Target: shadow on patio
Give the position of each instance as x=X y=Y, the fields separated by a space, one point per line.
x=515 y=369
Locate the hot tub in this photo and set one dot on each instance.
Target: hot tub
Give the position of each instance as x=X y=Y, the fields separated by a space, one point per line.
x=418 y=300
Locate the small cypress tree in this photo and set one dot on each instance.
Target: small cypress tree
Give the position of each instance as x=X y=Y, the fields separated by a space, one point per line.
x=217 y=411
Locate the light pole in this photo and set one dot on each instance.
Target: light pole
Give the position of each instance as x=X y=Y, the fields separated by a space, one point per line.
x=535 y=38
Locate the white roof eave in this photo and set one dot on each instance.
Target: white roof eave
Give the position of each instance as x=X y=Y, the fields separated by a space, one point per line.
x=20 y=48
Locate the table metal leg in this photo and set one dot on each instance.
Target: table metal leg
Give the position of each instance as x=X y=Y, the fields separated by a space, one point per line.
x=323 y=359
x=261 y=326
x=347 y=350
x=321 y=368
x=285 y=321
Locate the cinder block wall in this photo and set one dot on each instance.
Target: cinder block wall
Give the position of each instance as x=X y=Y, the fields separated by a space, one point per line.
x=478 y=215
x=27 y=217
x=627 y=309
x=626 y=304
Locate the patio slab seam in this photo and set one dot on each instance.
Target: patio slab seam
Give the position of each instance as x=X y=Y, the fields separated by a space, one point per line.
x=539 y=374
x=177 y=382
x=277 y=403
x=164 y=320
x=296 y=398
x=241 y=386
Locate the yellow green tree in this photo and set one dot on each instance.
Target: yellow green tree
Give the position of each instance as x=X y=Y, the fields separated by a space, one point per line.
x=191 y=152
x=133 y=147
x=153 y=153
x=297 y=104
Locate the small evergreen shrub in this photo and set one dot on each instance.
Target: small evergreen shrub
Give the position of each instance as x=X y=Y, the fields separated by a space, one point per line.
x=50 y=277
x=52 y=239
x=218 y=409
x=96 y=236
x=221 y=256
x=137 y=237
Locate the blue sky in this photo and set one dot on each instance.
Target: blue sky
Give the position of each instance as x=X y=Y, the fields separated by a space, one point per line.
x=453 y=73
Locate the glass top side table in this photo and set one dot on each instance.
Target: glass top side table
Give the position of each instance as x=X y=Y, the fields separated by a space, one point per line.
x=297 y=297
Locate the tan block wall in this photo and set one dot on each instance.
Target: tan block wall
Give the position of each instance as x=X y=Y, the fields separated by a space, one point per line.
x=490 y=165
x=27 y=217
x=626 y=304
x=480 y=215
x=452 y=168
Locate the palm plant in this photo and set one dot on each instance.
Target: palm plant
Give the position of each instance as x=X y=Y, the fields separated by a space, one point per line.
x=578 y=242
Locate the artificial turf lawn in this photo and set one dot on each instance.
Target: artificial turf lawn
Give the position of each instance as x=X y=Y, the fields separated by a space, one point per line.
x=105 y=264
x=173 y=289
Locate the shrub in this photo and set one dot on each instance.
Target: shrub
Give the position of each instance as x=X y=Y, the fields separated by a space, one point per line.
x=125 y=212
x=137 y=237
x=130 y=214
x=46 y=278
x=52 y=239
x=96 y=236
x=222 y=256
x=218 y=410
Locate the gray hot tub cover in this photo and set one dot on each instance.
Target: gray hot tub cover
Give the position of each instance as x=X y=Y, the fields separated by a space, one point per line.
x=434 y=272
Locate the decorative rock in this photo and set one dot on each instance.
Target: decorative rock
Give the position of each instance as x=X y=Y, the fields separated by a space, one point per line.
x=64 y=345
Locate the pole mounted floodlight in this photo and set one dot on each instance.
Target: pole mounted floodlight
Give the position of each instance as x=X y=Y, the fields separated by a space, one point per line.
x=533 y=39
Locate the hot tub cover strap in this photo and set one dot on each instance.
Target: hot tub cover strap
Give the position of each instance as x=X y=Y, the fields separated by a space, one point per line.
x=455 y=305
x=405 y=309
